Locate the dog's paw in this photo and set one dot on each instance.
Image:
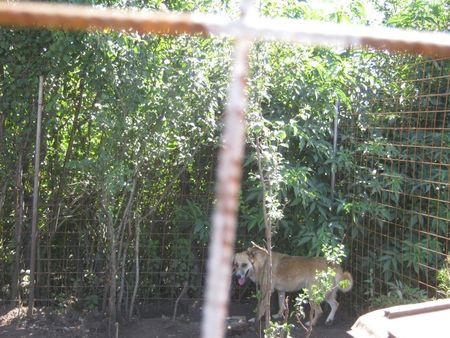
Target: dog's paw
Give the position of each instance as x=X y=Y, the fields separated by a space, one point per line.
x=329 y=322
x=308 y=323
x=252 y=320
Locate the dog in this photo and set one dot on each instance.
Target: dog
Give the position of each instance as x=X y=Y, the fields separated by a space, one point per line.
x=290 y=274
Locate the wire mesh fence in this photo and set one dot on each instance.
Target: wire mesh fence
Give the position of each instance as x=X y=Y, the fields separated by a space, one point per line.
x=404 y=142
x=73 y=268
x=72 y=259
x=401 y=147
x=403 y=238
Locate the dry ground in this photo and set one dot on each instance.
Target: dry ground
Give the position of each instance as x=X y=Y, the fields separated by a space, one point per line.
x=155 y=322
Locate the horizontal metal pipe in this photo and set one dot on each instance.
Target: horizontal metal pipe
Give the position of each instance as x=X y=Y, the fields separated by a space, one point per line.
x=77 y=17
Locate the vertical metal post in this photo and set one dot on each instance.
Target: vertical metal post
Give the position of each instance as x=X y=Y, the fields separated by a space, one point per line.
x=35 y=198
x=229 y=172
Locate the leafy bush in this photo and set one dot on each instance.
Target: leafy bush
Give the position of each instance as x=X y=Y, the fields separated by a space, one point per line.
x=399 y=294
x=126 y=115
x=443 y=278
x=192 y=217
x=278 y=330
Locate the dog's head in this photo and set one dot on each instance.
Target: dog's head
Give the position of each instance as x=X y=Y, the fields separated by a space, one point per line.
x=246 y=262
x=242 y=266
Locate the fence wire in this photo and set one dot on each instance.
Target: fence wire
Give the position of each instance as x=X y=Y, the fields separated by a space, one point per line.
x=405 y=144
x=407 y=235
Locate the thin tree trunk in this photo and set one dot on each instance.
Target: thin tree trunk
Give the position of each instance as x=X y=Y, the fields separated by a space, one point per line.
x=2 y=128
x=19 y=200
x=2 y=113
x=2 y=132
x=105 y=294
x=3 y=196
x=267 y=285
x=125 y=217
x=335 y=136
x=112 y=278
x=125 y=224
x=180 y=296
x=136 y=259
x=111 y=285
x=122 y=278
x=35 y=198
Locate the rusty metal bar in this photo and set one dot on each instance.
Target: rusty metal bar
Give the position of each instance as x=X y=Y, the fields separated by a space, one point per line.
x=323 y=33
x=76 y=17
x=229 y=172
x=80 y=17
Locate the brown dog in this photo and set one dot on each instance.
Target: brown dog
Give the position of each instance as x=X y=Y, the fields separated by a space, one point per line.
x=289 y=274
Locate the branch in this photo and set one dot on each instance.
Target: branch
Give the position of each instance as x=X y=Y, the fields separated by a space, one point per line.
x=182 y=293
x=267 y=285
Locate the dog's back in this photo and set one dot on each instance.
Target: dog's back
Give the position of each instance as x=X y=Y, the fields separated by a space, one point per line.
x=293 y=273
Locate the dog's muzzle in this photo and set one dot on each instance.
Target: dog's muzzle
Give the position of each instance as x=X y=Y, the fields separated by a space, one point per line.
x=242 y=278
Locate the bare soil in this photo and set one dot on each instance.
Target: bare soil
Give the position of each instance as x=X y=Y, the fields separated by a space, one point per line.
x=155 y=321
x=51 y=322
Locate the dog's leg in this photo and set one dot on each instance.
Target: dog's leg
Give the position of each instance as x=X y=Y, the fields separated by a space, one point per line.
x=281 y=305
x=334 y=306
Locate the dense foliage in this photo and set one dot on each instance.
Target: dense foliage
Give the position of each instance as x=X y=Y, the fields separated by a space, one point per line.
x=130 y=134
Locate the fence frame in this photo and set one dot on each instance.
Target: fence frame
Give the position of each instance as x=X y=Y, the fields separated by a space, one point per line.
x=245 y=29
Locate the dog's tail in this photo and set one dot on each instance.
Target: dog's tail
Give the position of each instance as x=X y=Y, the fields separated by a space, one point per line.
x=344 y=281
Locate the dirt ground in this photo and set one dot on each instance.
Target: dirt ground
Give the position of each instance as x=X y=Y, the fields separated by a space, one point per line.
x=155 y=322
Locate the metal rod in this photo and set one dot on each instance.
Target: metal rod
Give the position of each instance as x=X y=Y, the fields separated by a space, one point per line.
x=229 y=173
x=78 y=17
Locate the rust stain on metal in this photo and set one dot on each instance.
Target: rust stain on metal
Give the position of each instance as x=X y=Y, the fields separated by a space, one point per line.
x=77 y=17
x=229 y=172
x=430 y=48
x=436 y=44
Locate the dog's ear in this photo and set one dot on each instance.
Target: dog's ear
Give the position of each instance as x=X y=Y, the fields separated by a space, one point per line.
x=256 y=247
x=251 y=252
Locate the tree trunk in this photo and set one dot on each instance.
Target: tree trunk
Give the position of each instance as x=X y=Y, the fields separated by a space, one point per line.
x=136 y=259
x=111 y=285
x=2 y=128
x=112 y=279
x=35 y=198
x=266 y=288
x=3 y=196
x=2 y=112
x=19 y=200
x=125 y=224
x=122 y=278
